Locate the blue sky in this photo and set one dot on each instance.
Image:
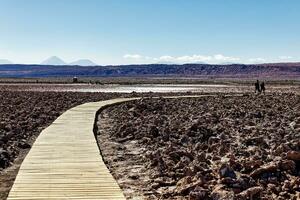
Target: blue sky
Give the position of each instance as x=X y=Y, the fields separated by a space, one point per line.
x=144 y=31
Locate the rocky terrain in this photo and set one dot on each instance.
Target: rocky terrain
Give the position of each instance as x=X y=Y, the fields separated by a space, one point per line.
x=204 y=148
x=23 y=115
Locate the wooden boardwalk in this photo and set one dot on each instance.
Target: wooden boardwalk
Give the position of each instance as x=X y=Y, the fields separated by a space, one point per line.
x=65 y=162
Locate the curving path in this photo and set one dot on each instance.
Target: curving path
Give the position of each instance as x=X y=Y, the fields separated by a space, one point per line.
x=65 y=162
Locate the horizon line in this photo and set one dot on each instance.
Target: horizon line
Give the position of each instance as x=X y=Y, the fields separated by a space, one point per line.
x=139 y=64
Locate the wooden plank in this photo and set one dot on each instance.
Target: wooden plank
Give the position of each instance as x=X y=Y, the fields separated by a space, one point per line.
x=65 y=162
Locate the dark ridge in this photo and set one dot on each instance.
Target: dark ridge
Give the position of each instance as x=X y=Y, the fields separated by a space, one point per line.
x=276 y=70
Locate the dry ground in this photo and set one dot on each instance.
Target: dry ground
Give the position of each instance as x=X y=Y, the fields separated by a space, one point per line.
x=204 y=148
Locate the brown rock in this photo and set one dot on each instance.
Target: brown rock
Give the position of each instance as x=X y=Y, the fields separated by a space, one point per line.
x=186 y=184
x=281 y=149
x=293 y=155
x=250 y=193
x=198 y=194
x=201 y=157
x=219 y=193
x=287 y=165
x=271 y=167
x=252 y=164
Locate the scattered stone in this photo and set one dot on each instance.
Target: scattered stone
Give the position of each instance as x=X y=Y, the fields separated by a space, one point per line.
x=186 y=184
x=24 y=145
x=199 y=194
x=250 y=193
x=219 y=193
x=288 y=165
x=226 y=171
x=269 y=168
x=211 y=147
x=293 y=155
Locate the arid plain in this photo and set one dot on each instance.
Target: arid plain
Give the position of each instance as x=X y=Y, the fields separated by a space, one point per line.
x=234 y=143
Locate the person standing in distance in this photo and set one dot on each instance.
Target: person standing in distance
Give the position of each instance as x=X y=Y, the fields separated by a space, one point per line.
x=257 y=86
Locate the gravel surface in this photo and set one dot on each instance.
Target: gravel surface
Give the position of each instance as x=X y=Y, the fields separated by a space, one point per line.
x=204 y=148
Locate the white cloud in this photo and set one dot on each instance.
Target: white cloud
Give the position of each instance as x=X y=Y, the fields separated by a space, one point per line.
x=222 y=58
x=166 y=58
x=256 y=60
x=285 y=57
x=194 y=58
x=218 y=58
x=133 y=56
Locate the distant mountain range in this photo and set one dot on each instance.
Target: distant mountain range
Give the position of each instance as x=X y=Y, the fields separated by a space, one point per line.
x=268 y=70
x=4 y=61
x=83 y=62
x=54 y=60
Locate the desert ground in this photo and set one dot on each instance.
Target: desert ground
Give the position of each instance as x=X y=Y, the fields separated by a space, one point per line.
x=214 y=147
x=23 y=116
x=231 y=146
